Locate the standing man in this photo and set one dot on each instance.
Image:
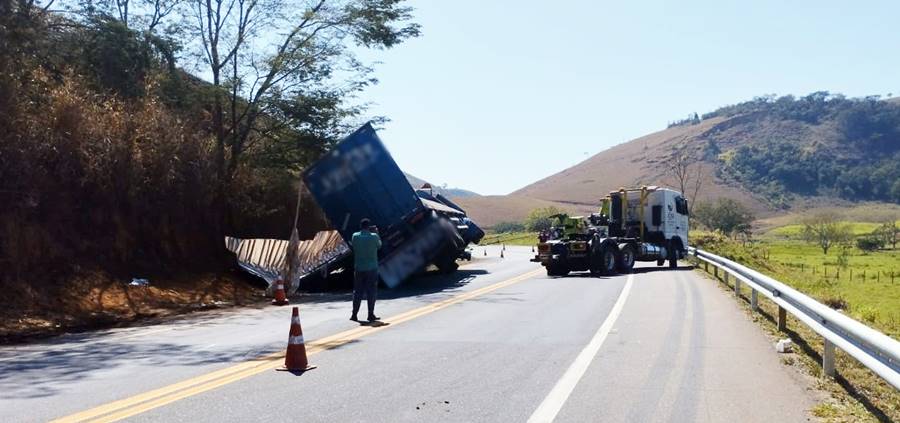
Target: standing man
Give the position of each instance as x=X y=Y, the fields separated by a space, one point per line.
x=365 y=245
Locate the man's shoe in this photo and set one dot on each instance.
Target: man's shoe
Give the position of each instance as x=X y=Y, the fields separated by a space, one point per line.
x=354 y=318
x=374 y=318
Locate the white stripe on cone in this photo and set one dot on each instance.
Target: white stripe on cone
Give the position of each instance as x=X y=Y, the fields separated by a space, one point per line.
x=295 y=340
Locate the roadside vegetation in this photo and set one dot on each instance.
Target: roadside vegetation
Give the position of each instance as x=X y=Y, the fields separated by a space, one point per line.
x=522 y=238
x=116 y=162
x=864 y=284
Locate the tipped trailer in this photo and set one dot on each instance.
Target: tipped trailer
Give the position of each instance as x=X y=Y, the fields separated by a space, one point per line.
x=640 y=224
x=359 y=179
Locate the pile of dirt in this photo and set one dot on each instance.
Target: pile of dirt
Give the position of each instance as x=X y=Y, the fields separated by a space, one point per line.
x=94 y=300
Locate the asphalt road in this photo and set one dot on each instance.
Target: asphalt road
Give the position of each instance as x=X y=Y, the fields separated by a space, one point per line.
x=497 y=341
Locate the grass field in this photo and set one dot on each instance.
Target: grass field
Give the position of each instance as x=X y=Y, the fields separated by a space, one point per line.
x=860 y=285
x=511 y=238
x=864 y=285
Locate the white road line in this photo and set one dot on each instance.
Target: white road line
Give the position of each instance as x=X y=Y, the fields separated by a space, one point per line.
x=554 y=401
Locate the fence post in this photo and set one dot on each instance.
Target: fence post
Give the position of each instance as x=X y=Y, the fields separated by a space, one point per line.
x=828 y=359
x=782 y=319
x=754 y=300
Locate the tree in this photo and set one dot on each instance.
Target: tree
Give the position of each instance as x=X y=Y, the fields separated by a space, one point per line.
x=687 y=176
x=825 y=230
x=265 y=91
x=539 y=219
x=725 y=215
x=887 y=233
x=869 y=243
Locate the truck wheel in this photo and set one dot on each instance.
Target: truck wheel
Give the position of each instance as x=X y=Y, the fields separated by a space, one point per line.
x=625 y=259
x=660 y=262
x=557 y=269
x=447 y=264
x=673 y=255
x=609 y=261
x=603 y=260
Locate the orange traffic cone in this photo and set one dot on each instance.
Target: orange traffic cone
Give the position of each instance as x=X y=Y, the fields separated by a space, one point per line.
x=280 y=297
x=295 y=357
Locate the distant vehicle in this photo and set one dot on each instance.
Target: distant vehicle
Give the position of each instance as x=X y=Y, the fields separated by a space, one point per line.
x=643 y=224
x=359 y=179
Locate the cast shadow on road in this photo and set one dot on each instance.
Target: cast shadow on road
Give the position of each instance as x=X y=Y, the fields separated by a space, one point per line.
x=652 y=269
x=426 y=284
x=375 y=324
x=636 y=270
x=47 y=373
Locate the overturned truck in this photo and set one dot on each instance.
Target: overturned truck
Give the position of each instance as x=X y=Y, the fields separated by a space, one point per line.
x=359 y=179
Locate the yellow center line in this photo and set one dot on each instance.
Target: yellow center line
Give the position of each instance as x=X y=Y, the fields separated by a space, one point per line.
x=121 y=409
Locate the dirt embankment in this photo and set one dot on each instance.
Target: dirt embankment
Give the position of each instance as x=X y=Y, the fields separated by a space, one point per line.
x=95 y=299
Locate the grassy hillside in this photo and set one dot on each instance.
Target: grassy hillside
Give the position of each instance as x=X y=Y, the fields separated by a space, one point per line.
x=770 y=153
x=490 y=210
x=447 y=192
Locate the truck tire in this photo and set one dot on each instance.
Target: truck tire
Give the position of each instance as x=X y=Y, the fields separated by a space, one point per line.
x=625 y=259
x=603 y=259
x=660 y=262
x=556 y=268
x=447 y=266
x=673 y=254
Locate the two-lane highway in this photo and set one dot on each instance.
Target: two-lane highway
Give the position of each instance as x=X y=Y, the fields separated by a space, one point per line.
x=498 y=341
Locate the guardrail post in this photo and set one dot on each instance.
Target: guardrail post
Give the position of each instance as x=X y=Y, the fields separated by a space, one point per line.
x=782 y=319
x=754 y=300
x=706 y=266
x=828 y=359
x=716 y=271
x=737 y=286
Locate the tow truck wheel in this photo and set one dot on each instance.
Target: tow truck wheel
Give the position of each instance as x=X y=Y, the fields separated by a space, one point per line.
x=625 y=259
x=557 y=269
x=609 y=261
x=673 y=255
x=602 y=259
x=660 y=262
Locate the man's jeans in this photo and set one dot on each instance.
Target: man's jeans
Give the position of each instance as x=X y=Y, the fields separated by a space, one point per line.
x=365 y=284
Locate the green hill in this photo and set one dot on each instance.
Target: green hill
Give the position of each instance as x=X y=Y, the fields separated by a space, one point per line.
x=770 y=153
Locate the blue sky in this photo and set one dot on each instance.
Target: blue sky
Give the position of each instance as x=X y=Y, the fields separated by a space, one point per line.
x=498 y=94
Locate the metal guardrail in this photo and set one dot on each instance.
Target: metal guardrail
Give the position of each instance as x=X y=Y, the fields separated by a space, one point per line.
x=875 y=350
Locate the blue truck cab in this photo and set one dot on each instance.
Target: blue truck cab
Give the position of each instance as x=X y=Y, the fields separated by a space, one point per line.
x=359 y=179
